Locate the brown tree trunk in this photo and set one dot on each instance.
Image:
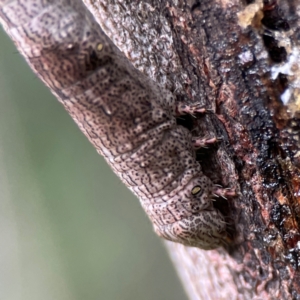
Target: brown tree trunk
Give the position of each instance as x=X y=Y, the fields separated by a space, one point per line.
x=240 y=60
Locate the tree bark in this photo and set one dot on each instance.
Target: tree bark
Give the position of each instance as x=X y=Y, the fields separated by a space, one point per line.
x=241 y=60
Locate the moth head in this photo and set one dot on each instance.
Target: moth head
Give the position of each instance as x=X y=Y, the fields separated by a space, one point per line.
x=199 y=190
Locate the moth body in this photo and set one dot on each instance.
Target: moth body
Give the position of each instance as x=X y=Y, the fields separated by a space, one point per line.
x=128 y=118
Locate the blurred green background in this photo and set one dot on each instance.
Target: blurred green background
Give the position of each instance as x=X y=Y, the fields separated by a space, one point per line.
x=69 y=228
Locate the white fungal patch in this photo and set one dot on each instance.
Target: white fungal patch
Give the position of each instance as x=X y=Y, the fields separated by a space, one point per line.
x=246 y=57
x=291 y=68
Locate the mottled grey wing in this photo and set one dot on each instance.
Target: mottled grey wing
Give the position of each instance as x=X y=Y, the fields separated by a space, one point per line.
x=128 y=118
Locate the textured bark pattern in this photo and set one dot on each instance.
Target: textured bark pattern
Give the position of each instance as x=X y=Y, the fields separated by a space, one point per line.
x=242 y=59
x=232 y=57
x=128 y=118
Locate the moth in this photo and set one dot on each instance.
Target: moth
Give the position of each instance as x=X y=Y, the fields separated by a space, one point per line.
x=129 y=118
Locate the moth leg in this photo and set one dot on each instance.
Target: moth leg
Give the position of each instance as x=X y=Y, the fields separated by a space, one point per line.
x=190 y=109
x=203 y=142
x=224 y=192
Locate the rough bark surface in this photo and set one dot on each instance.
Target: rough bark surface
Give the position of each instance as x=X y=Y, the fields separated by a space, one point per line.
x=241 y=60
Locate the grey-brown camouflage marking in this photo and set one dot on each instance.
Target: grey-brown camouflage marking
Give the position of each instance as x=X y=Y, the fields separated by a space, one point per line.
x=128 y=118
